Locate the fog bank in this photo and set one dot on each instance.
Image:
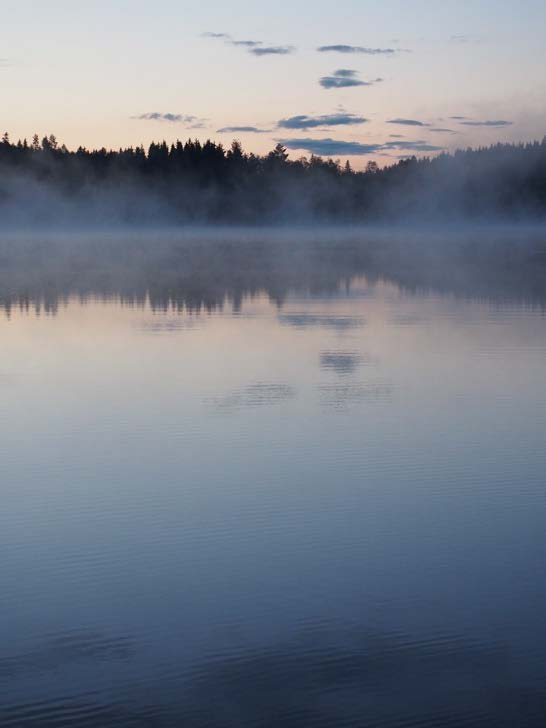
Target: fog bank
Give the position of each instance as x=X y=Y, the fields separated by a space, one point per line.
x=44 y=185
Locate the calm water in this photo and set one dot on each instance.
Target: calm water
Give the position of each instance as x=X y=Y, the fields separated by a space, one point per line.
x=281 y=482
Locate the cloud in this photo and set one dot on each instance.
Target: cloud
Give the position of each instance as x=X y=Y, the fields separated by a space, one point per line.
x=255 y=47
x=340 y=48
x=467 y=121
x=311 y=122
x=246 y=43
x=333 y=147
x=494 y=122
x=407 y=122
x=241 y=129
x=345 y=78
x=335 y=82
x=418 y=146
x=442 y=130
x=187 y=119
x=330 y=147
x=346 y=72
x=272 y=51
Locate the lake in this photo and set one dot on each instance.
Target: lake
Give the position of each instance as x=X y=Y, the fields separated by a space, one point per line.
x=257 y=478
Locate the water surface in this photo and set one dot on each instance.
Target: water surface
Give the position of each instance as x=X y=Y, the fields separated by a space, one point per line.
x=262 y=481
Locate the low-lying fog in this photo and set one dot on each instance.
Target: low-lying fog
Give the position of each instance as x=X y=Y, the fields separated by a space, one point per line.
x=204 y=267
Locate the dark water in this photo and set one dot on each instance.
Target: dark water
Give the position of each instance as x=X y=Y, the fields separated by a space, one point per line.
x=284 y=481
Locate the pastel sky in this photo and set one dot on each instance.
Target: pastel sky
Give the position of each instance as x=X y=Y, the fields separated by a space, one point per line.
x=391 y=78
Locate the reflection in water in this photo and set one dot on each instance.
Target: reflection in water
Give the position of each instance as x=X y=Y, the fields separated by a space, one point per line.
x=196 y=271
x=257 y=480
x=255 y=395
x=305 y=320
x=343 y=395
x=341 y=362
x=168 y=326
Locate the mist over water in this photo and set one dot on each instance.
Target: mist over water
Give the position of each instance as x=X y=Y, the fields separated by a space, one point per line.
x=206 y=267
x=256 y=477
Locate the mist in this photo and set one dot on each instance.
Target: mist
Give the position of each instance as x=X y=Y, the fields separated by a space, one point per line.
x=208 y=268
x=45 y=185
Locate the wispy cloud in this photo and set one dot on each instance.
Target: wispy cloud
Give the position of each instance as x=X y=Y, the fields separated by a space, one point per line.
x=345 y=78
x=246 y=43
x=272 y=50
x=332 y=147
x=441 y=130
x=242 y=130
x=494 y=122
x=341 y=48
x=193 y=122
x=418 y=146
x=407 y=122
x=303 y=121
x=256 y=47
x=464 y=38
x=467 y=121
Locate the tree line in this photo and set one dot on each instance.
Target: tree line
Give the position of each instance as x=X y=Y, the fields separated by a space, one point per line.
x=192 y=181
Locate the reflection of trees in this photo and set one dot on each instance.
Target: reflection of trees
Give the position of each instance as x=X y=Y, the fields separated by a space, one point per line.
x=201 y=273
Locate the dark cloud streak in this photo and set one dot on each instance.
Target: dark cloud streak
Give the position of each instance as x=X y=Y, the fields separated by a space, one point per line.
x=418 y=146
x=345 y=73
x=331 y=147
x=303 y=121
x=341 y=48
x=493 y=123
x=407 y=122
x=242 y=130
x=187 y=119
x=272 y=51
x=246 y=43
x=345 y=78
x=329 y=82
x=255 y=47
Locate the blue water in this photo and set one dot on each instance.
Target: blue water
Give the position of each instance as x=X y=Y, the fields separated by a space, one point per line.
x=273 y=495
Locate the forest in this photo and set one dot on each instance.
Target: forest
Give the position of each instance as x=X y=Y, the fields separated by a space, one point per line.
x=43 y=182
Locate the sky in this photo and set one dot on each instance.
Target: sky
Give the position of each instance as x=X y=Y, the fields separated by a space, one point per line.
x=356 y=79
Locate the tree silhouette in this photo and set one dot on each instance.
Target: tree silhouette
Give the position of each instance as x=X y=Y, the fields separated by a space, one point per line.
x=201 y=180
